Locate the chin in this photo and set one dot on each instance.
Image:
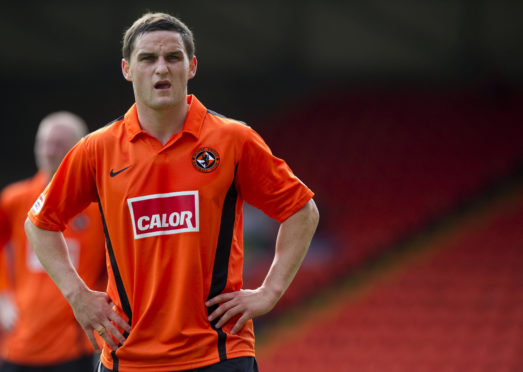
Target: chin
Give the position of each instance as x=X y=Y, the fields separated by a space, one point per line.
x=164 y=104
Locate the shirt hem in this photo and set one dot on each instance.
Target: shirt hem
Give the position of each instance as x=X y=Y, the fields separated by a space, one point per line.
x=43 y=225
x=299 y=205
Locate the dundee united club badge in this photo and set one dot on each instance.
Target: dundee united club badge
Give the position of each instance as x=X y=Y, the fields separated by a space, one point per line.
x=205 y=159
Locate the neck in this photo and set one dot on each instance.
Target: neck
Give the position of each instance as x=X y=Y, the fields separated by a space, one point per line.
x=162 y=124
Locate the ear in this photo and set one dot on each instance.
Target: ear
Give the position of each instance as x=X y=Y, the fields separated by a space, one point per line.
x=192 y=67
x=126 y=70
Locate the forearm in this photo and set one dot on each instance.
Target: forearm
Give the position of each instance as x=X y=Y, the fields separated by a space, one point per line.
x=51 y=250
x=292 y=244
x=93 y=310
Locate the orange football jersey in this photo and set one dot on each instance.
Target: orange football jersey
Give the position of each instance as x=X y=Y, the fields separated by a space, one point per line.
x=173 y=221
x=46 y=331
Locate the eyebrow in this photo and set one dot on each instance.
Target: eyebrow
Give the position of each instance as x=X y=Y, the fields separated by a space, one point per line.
x=145 y=54
x=153 y=54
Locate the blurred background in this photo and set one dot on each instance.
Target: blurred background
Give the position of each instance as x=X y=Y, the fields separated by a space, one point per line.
x=406 y=120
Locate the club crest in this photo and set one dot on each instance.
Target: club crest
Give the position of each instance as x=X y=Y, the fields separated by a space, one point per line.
x=205 y=159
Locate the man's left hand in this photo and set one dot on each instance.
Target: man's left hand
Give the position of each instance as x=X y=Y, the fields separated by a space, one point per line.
x=248 y=303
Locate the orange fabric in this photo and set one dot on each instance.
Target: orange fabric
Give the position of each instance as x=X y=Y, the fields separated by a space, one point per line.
x=46 y=332
x=4 y=275
x=174 y=217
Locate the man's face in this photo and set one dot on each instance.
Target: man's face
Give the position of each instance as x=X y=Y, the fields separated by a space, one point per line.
x=52 y=143
x=159 y=69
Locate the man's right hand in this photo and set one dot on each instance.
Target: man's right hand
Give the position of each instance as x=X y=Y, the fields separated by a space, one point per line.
x=94 y=311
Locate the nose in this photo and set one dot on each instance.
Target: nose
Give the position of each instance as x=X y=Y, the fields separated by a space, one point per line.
x=161 y=66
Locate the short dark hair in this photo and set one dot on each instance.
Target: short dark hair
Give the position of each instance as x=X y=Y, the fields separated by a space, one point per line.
x=157 y=22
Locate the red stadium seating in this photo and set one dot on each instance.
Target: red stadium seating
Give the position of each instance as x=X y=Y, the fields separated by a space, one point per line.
x=385 y=165
x=459 y=309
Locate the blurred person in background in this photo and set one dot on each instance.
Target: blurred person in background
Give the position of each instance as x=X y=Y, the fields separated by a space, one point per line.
x=171 y=178
x=41 y=332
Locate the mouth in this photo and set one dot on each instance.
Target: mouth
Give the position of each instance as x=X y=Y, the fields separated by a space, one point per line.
x=162 y=85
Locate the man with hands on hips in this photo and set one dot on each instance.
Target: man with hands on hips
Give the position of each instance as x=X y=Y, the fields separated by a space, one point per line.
x=170 y=178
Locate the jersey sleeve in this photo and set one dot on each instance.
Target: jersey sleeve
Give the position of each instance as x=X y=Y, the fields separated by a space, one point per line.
x=267 y=182
x=70 y=191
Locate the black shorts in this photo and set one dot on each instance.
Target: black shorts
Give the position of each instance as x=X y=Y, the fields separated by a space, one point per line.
x=83 y=364
x=243 y=364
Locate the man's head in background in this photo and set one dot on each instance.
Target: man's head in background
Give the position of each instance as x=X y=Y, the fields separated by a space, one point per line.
x=57 y=133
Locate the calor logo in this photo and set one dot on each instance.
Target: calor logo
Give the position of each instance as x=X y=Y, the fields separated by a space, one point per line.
x=163 y=214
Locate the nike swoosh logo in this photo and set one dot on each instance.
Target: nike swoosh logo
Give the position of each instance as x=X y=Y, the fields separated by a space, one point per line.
x=113 y=173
